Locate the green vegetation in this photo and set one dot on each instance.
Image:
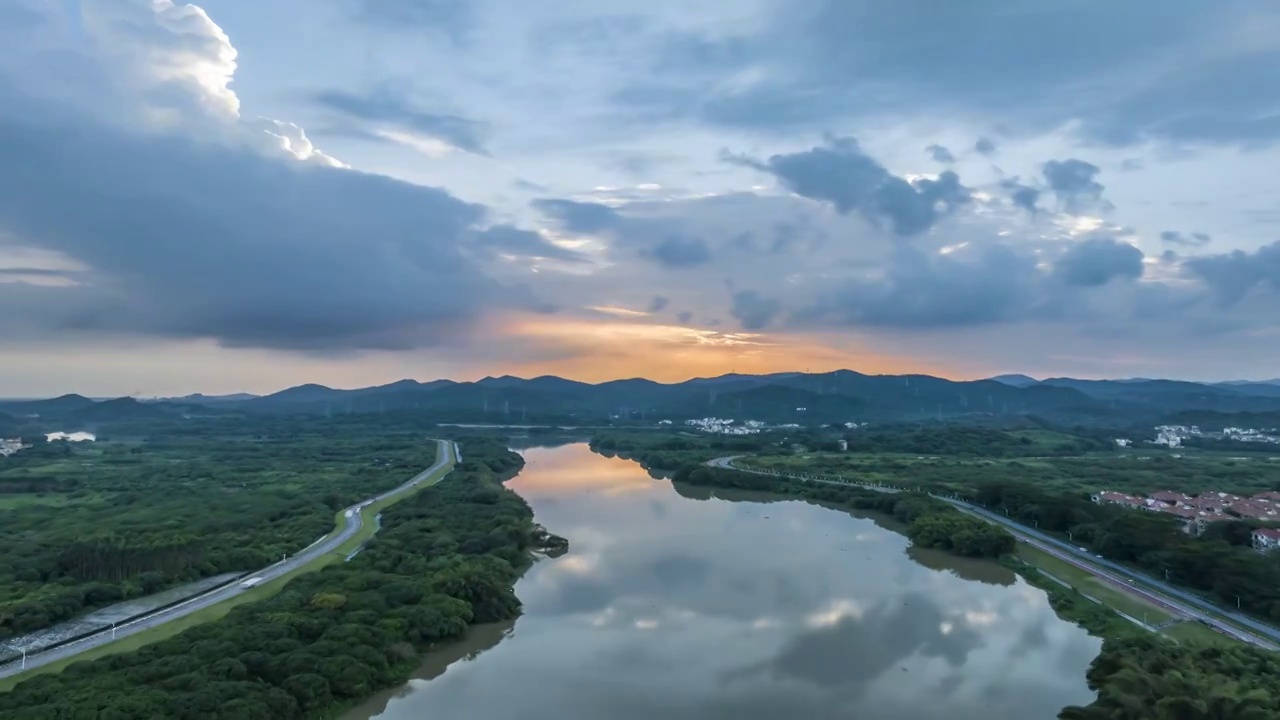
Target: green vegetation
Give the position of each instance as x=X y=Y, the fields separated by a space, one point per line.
x=1150 y=678
x=1139 y=472
x=89 y=524
x=1072 y=605
x=446 y=557
x=1091 y=585
x=930 y=523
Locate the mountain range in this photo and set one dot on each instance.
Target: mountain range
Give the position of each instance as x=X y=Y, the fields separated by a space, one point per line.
x=805 y=398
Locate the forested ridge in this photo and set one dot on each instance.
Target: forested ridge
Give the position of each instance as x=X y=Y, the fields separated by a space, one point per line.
x=84 y=525
x=446 y=557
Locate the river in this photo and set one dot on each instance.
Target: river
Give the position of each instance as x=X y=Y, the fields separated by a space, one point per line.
x=688 y=603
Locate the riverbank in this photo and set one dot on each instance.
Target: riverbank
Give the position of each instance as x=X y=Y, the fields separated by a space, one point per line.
x=446 y=559
x=1223 y=677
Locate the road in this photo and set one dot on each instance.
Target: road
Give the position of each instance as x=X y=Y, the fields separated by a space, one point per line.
x=352 y=522
x=1122 y=578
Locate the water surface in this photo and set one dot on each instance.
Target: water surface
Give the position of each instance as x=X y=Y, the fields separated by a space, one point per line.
x=679 y=602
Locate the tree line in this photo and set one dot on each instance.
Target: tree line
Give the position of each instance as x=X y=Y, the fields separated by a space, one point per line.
x=445 y=558
x=930 y=522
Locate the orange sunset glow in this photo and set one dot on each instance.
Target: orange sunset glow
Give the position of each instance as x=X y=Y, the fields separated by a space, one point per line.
x=609 y=349
x=575 y=472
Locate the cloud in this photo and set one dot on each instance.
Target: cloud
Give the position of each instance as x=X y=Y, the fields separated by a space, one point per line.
x=652 y=238
x=1177 y=71
x=753 y=310
x=579 y=217
x=940 y=154
x=387 y=108
x=658 y=304
x=1097 y=261
x=1072 y=181
x=201 y=225
x=511 y=240
x=838 y=172
x=984 y=146
x=528 y=185
x=453 y=18
x=1234 y=275
x=675 y=251
x=1023 y=196
x=1196 y=239
x=972 y=285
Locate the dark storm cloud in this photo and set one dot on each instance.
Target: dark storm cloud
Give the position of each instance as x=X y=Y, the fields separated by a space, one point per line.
x=940 y=154
x=984 y=146
x=198 y=240
x=753 y=310
x=389 y=108
x=1196 y=239
x=1231 y=276
x=918 y=289
x=1162 y=69
x=677 y=251
x=658 y=304
x=1072 y=181
x=1098 y=261
x=838 y=172
x=515 y=241
x=1023 y=196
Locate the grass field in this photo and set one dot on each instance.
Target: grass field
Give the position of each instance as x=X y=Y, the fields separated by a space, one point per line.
x=1091 y=585
x=20 y=500
x=220 y=610
x=1138 y=471
x=1192 y=631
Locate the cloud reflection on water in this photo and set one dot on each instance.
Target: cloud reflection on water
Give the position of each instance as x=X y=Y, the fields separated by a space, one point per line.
x=715 y=608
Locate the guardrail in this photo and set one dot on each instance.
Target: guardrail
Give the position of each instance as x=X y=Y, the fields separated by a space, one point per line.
x=14 y=657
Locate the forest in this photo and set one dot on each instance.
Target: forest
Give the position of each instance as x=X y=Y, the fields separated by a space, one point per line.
x=87 y=524
x=1145 y=677
x=445 y=558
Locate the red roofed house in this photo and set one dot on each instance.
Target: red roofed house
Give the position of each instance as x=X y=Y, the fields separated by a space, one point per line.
x=1266 y=539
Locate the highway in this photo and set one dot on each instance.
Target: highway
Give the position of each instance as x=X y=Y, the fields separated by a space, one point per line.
x=352 y=522
x=1172 y=599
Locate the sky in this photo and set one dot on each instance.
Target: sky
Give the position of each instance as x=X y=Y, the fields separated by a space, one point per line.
x=242 y=196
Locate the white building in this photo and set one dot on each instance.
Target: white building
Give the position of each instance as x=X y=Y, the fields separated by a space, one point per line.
x=1266 y=539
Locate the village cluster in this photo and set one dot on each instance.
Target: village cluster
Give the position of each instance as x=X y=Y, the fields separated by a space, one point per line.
x=1200 y=510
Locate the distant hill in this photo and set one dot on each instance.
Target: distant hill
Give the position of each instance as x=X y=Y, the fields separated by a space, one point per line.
x=125 y=408
x=1015 y=380
x=806 y=398
x=54 y=407
x=202 y=399
x=840 y=396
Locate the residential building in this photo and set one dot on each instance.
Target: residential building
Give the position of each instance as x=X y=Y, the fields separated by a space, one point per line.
x=1266 y=539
